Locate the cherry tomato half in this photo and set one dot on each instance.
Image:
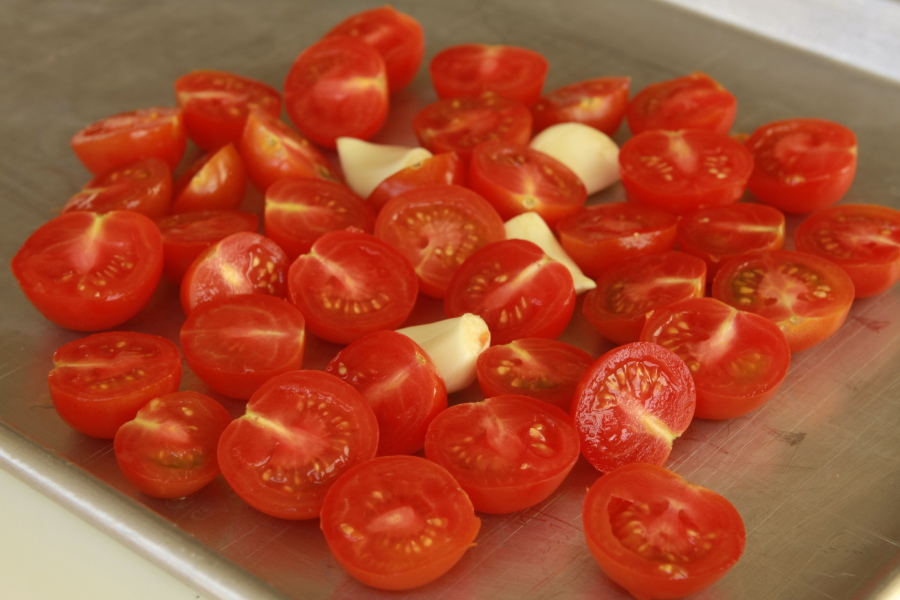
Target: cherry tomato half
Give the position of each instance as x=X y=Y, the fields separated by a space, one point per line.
x=445 y=168
x=599 y=102
x=215 y=181
x=144 y=186
x=695 y=101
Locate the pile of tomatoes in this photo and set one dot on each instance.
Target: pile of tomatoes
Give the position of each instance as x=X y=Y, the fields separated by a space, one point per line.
x=693 y=286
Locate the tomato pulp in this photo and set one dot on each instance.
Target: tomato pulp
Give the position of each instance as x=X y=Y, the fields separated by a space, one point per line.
x=144 y=186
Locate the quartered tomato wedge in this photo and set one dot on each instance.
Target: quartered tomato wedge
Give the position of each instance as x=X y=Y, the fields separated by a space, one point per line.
x=659 y=536
x=445 y=168
x=216 y=181
x=807 y=296
x=695 y=101
x=738 y=358
x=144 y=186
x=599 y=102
x=631 y=404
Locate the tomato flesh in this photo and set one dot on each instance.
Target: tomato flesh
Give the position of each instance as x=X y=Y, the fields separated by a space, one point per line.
x=445 y=168
x=599 y=103
x=695 y=101
x=144 y=186
x=216 y=181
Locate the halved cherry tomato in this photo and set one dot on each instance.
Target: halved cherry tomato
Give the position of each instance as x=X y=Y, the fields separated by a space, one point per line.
x=337 y=87
x=216 y=104
x=718 y=233
x=738 y=358
x=298 y=211
x=399 y=381
x=446 y=168
x=630 y=291
x=242 y=263
x=144 y=186
x=437 y=227
x=125 y=138
x=599 y=102
x=659 y=536
x=802 y=165
x=516 y=178
x=186 y=235
x=301 y=431
x=101 y=381
x=351 y=283
x=89 y=271
x=397 y=36
x=695 y=101
x=683 y=171
x=398 y=522
x=460 y=124
x=216 y=181
x=862 y=239
x=807 y=296
x=517 y=289
x=631 y=404
x=507 y=452
x=169 y=449
x=234 y=344
x=467 y=70
x=599 y=236
x=540 y=368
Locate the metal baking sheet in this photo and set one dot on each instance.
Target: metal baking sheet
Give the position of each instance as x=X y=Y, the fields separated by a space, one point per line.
x=815 y=473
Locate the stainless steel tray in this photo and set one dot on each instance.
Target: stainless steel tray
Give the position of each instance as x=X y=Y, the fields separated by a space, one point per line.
x=815 y=473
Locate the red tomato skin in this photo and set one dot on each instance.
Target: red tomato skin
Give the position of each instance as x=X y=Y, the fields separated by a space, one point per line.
x=415 y=484
x=117 y=257
x=520 y=430
x=216 y=105
x=216 y=181
x=802 y=165
x=599 y=103
x=614 y=425
x=862 y=239
x=654 y=488
x=119 y=140
x=695 y=101
x=446 y=168
x=144 y=186
x=337 y=87
x=131 y=368
x=397 y=36
x=169 y=449
x=264 y=336
x=400 y=382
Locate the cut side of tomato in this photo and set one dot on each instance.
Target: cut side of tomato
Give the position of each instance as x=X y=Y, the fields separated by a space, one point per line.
x=695 y=101
x=446 y=168
x=216 y=181
x=599 y=103
x=144 y=186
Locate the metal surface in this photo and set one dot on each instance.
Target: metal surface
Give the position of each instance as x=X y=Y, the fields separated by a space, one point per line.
x=815 y=473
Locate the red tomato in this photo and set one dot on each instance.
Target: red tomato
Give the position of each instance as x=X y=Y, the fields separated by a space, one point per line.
x=862 y=239
x=216 y=181
x=683 y=171
x=397 y=36
x=272 y=150
x=631 y=404
x=301 y=431
x=437 y=227
x=186 y=235
x=516 y=179
x=802 y=165
x=738 y=358
x=337 y=87
x=695 y=101
x=216 y=104
x=539 y=368
x=467 y=70
x=507 y=452
x=599 y=236
x=89 y=271
x=399 y=381
x=350 y=284
x=101 y=381
x=144 y=186
x=808 y=297
x=460 y=124
x=446 y=168
x=169 y=449
x=241 y=263
x=398 y=522
x=599 y=102
x=120 y=140
x=234 y=344
x=718 y=233
x=633 y=289
x=299 y=211
x=659 y=536
x=517 y=289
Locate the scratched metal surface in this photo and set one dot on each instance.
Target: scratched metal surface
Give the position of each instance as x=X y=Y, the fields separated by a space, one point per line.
x=815 y=473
